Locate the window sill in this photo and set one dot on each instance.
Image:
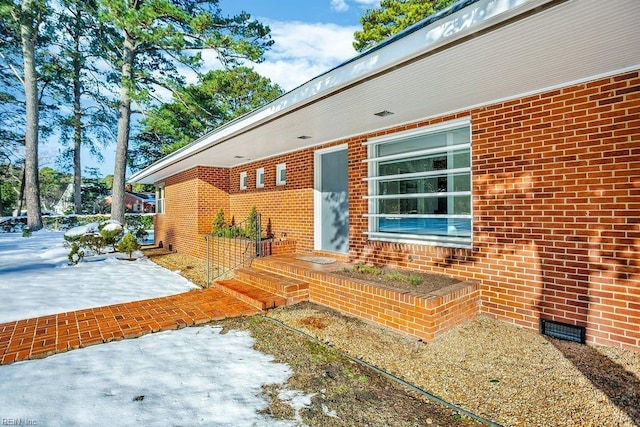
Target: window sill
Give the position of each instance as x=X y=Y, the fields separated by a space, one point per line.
x=415 y=239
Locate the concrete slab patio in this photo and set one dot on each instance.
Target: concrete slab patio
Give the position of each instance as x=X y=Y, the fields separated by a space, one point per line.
x=46 y=335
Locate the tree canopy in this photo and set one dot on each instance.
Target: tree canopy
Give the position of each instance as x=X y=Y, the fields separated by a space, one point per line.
x=153 y=38
x=73 y=58
x=392 y=17
x=218 y=97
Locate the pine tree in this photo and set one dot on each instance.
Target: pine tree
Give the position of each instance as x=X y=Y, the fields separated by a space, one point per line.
x=155 y=36
x=392 y=17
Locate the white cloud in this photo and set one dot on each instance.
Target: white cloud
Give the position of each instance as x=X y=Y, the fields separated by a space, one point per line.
x=368 y=3
x=339 y=5
x=302 y=51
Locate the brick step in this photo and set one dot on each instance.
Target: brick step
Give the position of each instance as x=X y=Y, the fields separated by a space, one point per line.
x=252 y=295
x=279 y=268
x=292 y=289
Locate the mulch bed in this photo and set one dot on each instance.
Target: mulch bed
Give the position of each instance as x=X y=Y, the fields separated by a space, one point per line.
x=431 y=282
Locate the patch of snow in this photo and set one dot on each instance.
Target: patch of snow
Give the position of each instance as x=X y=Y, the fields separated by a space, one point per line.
x=112 y=225
x=92 y=227
x=193 y=376
x=297 y=400
x=327 y=412
x=36 y=278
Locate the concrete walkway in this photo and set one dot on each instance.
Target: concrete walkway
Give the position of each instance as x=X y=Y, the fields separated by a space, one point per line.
x=46 y=335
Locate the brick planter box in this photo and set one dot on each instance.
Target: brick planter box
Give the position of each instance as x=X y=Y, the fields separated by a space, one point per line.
x=418 y=315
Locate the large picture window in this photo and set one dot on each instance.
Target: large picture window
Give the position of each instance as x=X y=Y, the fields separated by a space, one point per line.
x=420 y=186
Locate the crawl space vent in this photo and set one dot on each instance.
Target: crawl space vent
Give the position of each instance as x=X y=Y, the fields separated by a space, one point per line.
x=563 y=331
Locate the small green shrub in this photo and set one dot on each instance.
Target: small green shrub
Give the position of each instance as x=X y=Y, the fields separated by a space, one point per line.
x=251 y=228
x=137 y=221
x=411 y=279
x=415 y=280
x=92 y=241
x=26 y=232
x=140 y=233
x=219 y=223
x=110 y=235
x=128 y=244
x=368 y=269
x=76 y=254
x=395 y=276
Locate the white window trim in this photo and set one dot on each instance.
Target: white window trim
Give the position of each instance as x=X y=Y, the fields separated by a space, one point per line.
x=259 y=171
x=279 y=168
x=372 y=179
x=243 y=180
x=160 y=190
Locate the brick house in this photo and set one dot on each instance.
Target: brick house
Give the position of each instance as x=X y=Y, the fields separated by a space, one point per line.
x=136 y=202
x=497 y=141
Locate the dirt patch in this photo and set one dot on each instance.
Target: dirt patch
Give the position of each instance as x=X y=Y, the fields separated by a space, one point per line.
x=315 y=322
x=343 y=393
x=398 y=279
x=190 y=267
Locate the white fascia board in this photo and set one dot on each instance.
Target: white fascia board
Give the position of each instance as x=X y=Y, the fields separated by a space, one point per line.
x=473 y=18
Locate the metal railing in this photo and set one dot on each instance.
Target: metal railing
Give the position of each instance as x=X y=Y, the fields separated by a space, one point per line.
x=233 y=247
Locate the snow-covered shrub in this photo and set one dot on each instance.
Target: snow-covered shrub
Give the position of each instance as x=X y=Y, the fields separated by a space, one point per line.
x=93 y=242
x=128 y=244
x=74 y=234
x=111 y=231
x=95 y=236
x=76 y=254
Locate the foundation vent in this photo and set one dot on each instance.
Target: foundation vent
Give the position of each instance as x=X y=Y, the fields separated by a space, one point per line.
x=563 y=331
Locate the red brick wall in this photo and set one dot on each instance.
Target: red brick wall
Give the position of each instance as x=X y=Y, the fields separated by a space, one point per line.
x=556 y=199
x=290 y=206
x=556 y=203
x=192 y=199
x=418 y=316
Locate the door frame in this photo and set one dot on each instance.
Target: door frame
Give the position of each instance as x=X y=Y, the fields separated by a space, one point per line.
x=317 y=195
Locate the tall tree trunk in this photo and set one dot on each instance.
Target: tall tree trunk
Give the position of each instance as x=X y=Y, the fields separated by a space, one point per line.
x=122 y=141
x=1 y=205
x=28 y=35
x=21 y=195
x=77 y=120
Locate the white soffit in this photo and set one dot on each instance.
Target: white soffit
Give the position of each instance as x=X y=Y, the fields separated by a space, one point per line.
x=570 y=41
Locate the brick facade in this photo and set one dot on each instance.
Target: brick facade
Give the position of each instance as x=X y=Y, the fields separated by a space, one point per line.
x=192 y=199
x=556 y=207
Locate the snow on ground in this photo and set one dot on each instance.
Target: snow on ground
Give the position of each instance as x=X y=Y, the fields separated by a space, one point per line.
x=36 y=278
x=193 y=376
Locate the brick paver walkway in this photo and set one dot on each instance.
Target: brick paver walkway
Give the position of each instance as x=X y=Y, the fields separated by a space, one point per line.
x=43 y=336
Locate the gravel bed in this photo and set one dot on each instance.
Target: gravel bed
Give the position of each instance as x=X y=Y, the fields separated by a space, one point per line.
x=504 y=373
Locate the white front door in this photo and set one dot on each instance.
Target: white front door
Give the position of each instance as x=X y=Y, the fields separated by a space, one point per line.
x=332 y=200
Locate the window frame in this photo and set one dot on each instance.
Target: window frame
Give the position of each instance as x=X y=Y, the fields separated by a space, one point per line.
x=243 y=180
x=373 y=179
x=280 y=167
x=160 y=198
x=259 y=174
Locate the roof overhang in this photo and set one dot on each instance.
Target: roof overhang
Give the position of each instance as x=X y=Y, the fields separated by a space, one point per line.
x=476 y=53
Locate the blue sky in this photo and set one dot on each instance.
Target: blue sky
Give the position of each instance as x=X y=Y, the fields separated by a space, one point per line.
x=341 y=12
x=311 y=37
